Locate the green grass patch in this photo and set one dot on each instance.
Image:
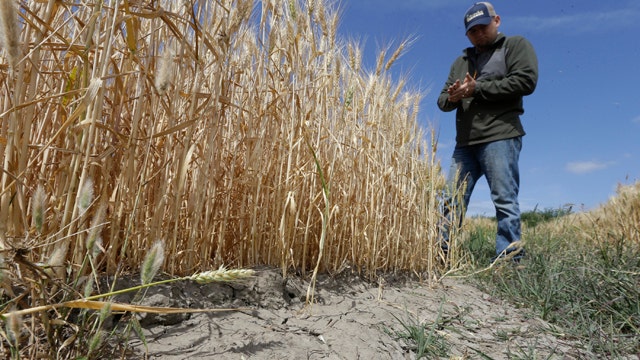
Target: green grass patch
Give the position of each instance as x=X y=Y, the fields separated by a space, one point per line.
x=423 y=339
x=590 y=289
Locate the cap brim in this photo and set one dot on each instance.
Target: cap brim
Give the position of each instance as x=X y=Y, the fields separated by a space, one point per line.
x=480 y=21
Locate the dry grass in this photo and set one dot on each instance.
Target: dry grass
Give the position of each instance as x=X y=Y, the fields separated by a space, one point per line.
x=616 y=222
x=581 y=272
x=209 y=126
x=234 y=133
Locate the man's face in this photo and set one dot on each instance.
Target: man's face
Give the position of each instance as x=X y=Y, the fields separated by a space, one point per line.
x=483 y=36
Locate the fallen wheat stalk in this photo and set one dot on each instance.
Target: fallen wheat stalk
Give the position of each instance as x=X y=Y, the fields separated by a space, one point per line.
x=220 y=275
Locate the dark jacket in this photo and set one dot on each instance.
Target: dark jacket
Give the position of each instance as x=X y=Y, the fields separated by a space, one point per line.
x=503 y=76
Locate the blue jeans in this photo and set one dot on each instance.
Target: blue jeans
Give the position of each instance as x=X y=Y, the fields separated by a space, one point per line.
x=498 y=162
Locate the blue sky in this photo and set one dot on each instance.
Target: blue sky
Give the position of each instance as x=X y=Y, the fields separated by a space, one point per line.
x=583 y=121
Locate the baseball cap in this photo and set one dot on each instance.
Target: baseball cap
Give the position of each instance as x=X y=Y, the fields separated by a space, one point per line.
x=480 y=13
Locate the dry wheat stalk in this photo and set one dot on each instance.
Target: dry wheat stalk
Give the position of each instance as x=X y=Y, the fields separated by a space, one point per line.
x=215 y=164
x=10 y=32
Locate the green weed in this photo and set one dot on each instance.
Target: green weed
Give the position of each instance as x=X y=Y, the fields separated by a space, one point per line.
x=589 y=289
x=423 y=339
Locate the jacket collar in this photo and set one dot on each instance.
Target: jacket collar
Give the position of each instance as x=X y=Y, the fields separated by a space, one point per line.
x=471 y=51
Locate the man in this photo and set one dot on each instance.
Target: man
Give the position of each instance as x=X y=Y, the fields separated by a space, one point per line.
x=485 y=86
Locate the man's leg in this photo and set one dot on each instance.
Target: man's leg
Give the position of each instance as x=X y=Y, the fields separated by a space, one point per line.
x=499 y=160
x=463 y=174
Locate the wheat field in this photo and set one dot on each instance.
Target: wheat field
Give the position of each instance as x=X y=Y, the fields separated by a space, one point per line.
x=237 y=132
x=184 y=136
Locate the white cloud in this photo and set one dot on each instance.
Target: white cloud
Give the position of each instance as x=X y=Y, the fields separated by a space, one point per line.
x=585 y=167
x=582 y=22
x=636 y=120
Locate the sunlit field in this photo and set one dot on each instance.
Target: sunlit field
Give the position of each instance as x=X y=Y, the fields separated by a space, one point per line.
x=203 y=138
x=581 y=273
x=234 y=133
x=237 y=133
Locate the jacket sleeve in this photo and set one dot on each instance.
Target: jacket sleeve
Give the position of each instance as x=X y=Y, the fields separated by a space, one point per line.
x=443 y=100
x=521 y=77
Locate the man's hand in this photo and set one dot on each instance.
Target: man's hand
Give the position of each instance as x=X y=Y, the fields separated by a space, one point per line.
x=459 y=91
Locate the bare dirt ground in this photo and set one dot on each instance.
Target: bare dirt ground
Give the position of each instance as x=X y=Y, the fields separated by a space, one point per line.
x=350 y=319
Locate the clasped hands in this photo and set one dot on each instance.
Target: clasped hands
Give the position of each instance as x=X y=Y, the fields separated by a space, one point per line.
x=460 y=90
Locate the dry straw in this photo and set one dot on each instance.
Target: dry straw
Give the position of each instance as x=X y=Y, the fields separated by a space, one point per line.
x=13 y=319
x=191 y=128
x=10 y=32
x=616 y=221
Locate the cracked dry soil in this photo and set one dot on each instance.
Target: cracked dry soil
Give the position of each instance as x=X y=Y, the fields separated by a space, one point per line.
x=350 y=319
